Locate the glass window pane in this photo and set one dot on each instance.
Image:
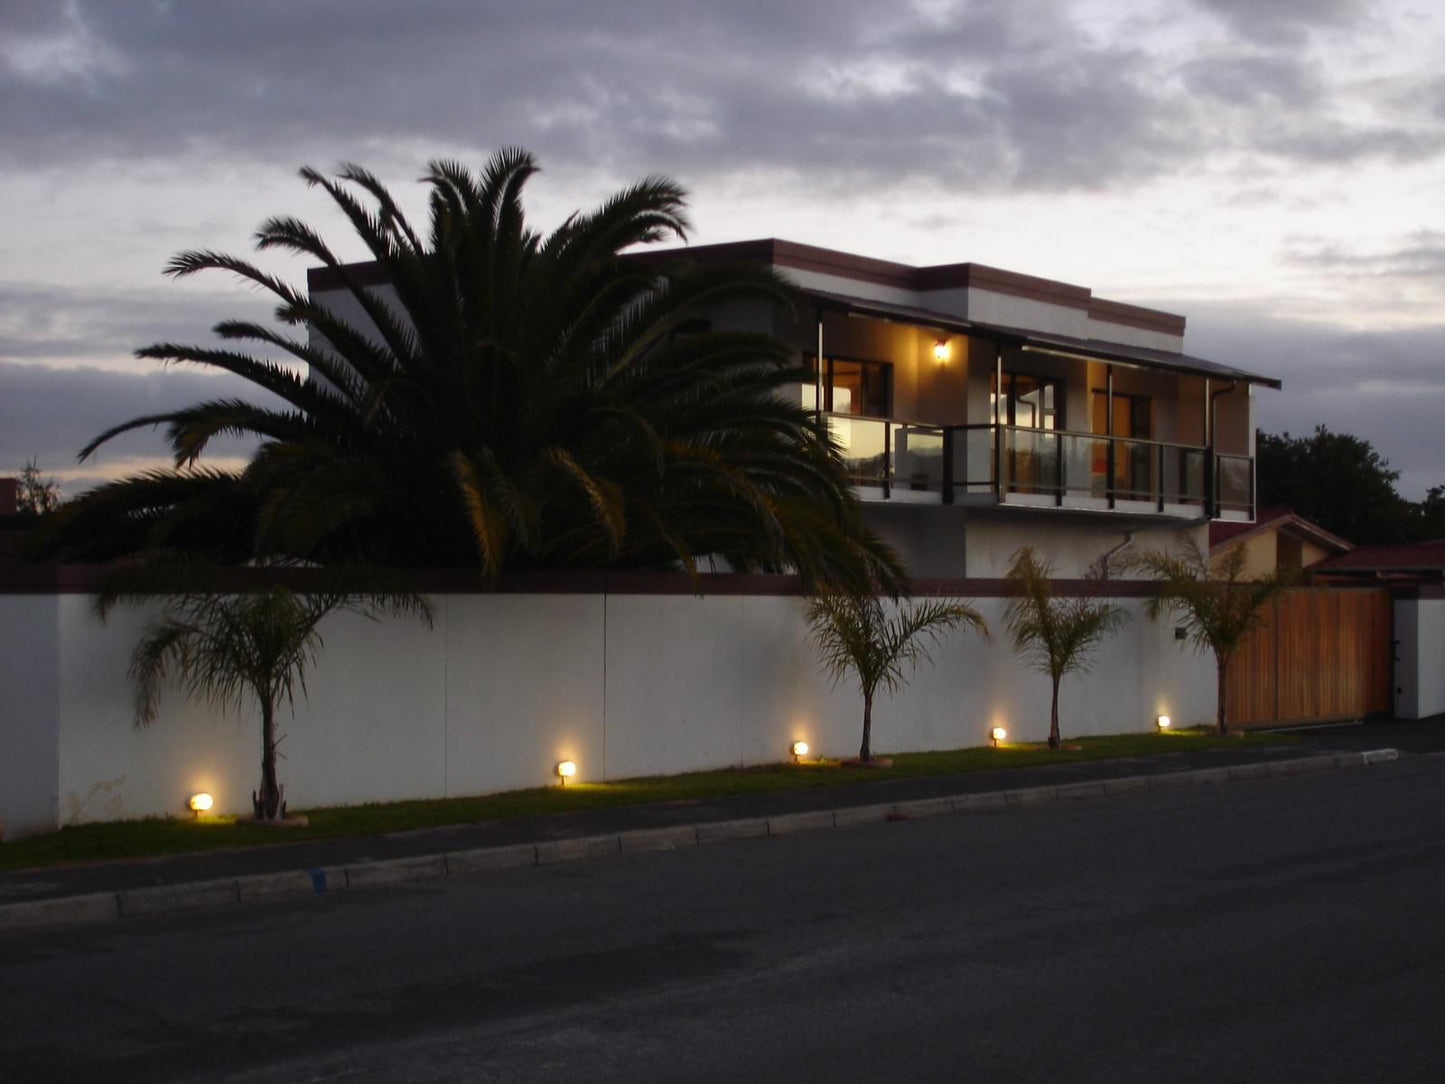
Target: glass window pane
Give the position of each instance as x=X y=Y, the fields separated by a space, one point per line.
x=860 y=388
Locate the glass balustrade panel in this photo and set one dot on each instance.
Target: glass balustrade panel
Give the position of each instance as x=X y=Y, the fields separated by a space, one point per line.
x=864 y=445
x=1031 y=460
x=918 y=458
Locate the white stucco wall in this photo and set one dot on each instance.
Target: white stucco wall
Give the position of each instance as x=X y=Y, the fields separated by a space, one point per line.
x=29 y=714
x=1129 y=335
x=505 y=685
x=1070 y=548
x=1420 y=653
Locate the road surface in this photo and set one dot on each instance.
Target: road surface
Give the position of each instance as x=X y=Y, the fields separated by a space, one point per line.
x=1285 y=929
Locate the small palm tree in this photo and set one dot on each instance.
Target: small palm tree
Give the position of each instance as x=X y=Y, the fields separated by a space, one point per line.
x=224 y=648
x=854 y=634
x=1217 y=603
x=1056 y=635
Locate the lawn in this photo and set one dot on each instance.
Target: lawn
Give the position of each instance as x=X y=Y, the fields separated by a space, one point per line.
x=164 y=836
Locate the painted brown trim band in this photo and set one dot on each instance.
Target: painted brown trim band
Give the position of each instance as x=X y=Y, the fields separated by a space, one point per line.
x=45 y=579
x=826 y=261
x=1116 y=312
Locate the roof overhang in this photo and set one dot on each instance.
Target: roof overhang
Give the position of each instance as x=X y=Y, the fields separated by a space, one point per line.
x=1039 y=341
x=1285 y=523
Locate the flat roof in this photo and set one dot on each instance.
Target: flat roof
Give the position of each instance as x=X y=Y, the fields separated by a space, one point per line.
x=923 y=279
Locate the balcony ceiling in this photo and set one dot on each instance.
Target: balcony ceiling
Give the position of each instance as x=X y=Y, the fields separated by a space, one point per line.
x=1047 y=342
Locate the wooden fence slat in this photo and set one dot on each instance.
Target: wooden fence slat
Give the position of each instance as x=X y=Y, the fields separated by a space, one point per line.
x=1322 y=653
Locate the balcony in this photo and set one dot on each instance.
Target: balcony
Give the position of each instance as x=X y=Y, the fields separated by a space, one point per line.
x=901 y=461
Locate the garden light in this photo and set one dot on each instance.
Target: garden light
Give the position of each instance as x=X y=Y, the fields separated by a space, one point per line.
x=200 y=803
x=1163 y=722
x=997 y=734
x=566 y=769
x=799 y=749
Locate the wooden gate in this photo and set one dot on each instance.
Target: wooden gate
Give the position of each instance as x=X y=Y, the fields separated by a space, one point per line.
x=1323 y=653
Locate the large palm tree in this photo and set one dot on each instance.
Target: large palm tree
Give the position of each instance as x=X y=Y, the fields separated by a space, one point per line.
x=1057 y=635
x=510 y=398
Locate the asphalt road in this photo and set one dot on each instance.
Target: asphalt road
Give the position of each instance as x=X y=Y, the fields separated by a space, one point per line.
x=1285 y=929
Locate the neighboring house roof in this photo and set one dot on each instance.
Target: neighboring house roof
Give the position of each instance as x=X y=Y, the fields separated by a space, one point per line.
x=1419 y=557
x=1223 y=533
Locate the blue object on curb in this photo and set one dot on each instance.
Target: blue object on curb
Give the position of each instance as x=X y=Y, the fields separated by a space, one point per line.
x=318 y=880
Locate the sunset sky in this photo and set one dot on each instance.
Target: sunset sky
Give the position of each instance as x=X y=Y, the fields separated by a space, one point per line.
x=1272 y=169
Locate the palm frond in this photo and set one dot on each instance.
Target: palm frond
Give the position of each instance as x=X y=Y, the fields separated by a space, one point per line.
x=854 y=634
x=1056 y=636
x=512 y=398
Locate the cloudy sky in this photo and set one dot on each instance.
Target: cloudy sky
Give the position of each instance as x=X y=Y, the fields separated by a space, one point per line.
x=1272 y=169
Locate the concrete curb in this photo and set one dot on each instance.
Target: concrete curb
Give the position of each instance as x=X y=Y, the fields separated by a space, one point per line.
x=165 y=899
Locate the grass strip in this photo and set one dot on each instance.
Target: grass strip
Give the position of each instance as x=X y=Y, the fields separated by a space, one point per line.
x=159 y=836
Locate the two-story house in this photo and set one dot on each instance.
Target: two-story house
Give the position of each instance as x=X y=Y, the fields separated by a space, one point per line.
x=983 y=409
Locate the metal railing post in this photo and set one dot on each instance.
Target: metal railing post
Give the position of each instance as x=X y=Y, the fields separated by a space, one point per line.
x=948 y=465
x=887 y=460
x=1058 y=469
x=998 y=463
x=1159 y=478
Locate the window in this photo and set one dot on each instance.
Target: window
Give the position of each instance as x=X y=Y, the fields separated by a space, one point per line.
x=1031 y=459
x=1029 y=401
x=861 y=388
x=1132 y=419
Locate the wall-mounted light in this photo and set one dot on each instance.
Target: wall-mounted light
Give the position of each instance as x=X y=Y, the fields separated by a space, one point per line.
x=799 y=749
x=940 y=350
x=200 y=802
x=1163 y=722
x=566 y=769
x=996 y=735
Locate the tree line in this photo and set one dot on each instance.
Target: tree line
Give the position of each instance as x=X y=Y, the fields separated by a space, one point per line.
x=1343 y=484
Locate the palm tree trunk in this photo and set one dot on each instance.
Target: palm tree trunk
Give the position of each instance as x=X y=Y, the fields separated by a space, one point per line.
x=1054 y=717
x=1221 y=665
x=268 y=801
x=865 y=752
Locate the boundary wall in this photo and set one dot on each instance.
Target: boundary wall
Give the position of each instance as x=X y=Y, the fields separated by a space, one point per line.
x=1419 y=652
x=626 y=674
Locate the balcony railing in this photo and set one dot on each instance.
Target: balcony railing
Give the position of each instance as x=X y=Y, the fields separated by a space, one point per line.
x=897 y=457
x=909 y=461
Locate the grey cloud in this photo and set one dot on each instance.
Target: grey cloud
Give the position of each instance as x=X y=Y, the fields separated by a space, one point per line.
x=1253 y=80
x=32 y=18
x=1329 y=141
x=1282 y=22
x=1418 y=257
x=54 y=403
x=984 y=95
x=77 y=404
x=59 y=324
x=1387 y=387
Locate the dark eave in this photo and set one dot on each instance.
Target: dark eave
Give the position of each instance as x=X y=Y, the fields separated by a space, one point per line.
x=1042 y=342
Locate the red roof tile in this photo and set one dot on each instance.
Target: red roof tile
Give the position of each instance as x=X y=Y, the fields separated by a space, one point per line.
x=1401 y=558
